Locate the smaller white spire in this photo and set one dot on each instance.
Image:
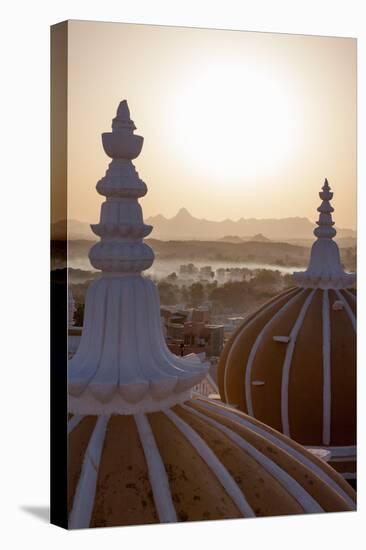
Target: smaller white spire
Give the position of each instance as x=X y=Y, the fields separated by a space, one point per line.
x=325 y=269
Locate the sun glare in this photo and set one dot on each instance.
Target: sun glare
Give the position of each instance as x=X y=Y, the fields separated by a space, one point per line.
x=234 y=123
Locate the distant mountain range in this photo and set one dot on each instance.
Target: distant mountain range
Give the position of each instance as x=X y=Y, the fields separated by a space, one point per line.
x=77 y=230
x=184 y=226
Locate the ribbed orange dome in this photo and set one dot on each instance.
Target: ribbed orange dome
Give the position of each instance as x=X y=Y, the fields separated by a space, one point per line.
x=292 y=364
x=196 y=461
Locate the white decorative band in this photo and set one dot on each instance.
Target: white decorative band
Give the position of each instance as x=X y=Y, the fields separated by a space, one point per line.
x=157 y=473
x=83 y=505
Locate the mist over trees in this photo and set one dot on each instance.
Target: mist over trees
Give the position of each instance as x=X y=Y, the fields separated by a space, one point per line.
x=230 y=297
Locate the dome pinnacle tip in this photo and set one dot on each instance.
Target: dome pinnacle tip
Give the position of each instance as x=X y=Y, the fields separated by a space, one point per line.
x=123 y=110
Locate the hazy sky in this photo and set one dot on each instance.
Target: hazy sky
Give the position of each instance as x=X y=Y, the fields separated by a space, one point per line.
x=236 y=124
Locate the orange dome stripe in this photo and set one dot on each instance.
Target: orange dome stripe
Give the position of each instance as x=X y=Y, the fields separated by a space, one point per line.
x=123 y=495
x=287 y=363
x=344 y=377
x=326 y=369
x=350 y=297
x=226 y=362
x=306 y=383
x=257 y=343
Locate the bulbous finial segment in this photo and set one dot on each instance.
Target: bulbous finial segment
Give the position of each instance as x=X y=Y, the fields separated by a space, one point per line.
x=122 y=143
x=325 y=269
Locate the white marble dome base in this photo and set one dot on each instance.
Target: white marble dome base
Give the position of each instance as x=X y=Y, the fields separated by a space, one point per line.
x=122 y=359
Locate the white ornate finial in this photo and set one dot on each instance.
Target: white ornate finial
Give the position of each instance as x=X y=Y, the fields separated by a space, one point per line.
x=121 y=225
x=123 y=365
x=325 y=269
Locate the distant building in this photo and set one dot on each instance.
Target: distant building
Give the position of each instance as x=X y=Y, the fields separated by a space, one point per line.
x=174 y=314
x=239 y=274
x=206 y=273
x=195 y=334
x=200 y=315
x=233 y=274
x=221 y=274
x=188 y=270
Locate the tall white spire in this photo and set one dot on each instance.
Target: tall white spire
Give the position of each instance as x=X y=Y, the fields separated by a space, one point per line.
x=123 y=364
x=325 y=269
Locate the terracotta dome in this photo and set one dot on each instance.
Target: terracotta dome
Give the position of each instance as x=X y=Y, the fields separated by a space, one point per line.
x=141 y=450
x=196 y=461
x=292 y=363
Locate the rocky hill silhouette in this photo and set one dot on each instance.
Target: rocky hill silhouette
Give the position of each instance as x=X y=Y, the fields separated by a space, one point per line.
x=185 y=227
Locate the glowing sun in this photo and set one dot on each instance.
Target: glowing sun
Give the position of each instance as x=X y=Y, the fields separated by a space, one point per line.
x=233 y=122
